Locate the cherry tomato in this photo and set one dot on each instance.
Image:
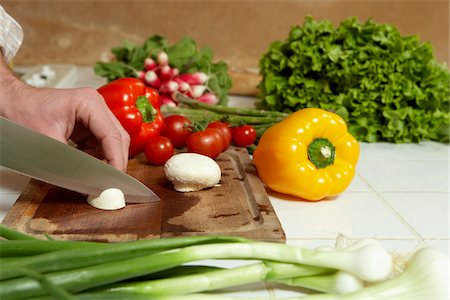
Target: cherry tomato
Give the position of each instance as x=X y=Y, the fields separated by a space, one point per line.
x=138 y=141
x=177 y=129
x=158 y=150
x=244 y=135
x=130 y=118
x=207 y=142
x=224 y=131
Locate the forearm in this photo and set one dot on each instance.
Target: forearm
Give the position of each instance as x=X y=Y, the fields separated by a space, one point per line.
x=56 y=112
x=9 y=85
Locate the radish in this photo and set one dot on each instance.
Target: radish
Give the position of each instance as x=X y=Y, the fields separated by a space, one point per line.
x=149 y=64
x=152 y=79
x=175 y=71
x=194 y=78
x=166 y=100
x=197 y=90
x=209 y=98
x=141 y=75
x=162 y=58
x=182 y=85
x=168 y=87
x=165 y=73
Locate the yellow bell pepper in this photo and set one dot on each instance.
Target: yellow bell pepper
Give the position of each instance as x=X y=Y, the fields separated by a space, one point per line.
x=310 y=155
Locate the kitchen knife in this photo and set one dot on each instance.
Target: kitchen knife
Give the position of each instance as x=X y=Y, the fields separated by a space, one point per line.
x=54 y=162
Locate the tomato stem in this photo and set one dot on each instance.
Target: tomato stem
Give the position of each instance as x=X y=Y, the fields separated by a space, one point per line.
x=321 y=153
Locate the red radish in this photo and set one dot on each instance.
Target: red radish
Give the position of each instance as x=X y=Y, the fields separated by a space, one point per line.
x=149 y=64
x=209 y=98
x=162 y=58
x=194 y=78
x=197 y=90
x=152 y=79
x=182 y=85
x=165 y=73
x=166 y=100
x=141 y=75
x=168 y=87
x=175 y=72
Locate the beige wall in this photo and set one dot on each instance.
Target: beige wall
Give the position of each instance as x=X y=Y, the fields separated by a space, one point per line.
x=83 y=31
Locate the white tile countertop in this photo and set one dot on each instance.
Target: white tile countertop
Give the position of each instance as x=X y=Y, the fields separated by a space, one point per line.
x=399 y=196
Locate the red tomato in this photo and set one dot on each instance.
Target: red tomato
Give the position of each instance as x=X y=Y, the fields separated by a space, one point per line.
x=177 y=129
x=130 y=118
x=244 y=135
x=224 y=131
x=158 y=150
x=207 y=142
x=138 y=141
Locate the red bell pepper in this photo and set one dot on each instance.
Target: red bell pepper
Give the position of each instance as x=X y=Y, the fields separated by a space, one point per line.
x=153 y=97
x=138 y=142
x=136 y=106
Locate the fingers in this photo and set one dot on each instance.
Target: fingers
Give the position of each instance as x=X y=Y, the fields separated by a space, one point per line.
x=56 y=112
x=114 y=141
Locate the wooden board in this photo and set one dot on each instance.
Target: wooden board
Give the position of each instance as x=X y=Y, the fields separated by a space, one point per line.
x=238 y=206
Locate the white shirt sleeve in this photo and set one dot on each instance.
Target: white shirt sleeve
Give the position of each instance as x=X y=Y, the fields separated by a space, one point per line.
x=11 y=35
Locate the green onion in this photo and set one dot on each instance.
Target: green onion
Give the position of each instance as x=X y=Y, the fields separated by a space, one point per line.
x=339 y=282
x=74 y=256
x=375 y=265
x=217 y=279
x=53 y=289
x=426 y=277
x=34 y=247
x=11 y=234
x=162 y=269
x=196 y=283
x=177 y=272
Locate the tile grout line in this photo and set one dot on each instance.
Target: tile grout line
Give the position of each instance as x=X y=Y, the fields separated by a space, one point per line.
x=403 y=160
x=386 y=238
x=395 y=212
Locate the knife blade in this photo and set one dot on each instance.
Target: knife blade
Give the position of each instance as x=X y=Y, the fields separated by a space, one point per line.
x=46 y=159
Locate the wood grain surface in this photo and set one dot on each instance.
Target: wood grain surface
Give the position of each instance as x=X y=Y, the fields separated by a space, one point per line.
x=239 y=205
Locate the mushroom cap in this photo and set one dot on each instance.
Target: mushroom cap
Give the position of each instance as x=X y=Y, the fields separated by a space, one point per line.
x=109 y=199
x=192 y=171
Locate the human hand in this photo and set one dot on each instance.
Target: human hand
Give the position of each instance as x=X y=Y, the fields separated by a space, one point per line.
x=78 y=114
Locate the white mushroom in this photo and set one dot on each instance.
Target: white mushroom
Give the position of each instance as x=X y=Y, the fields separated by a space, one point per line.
x=192 y=172
x=109 y=199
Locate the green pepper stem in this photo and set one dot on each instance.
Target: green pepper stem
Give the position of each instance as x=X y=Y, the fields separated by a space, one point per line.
x=321 y=153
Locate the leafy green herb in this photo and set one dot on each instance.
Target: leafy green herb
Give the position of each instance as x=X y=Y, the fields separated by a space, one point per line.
x=388 y=87
x=184 y=55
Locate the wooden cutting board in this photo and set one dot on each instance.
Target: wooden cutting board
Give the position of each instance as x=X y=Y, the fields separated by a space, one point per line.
x=238 y=206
